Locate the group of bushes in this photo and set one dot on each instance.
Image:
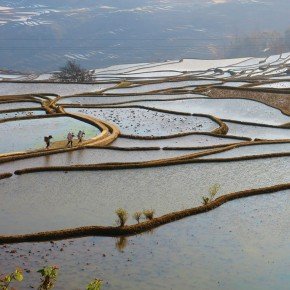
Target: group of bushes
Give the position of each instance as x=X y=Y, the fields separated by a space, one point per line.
x=123 y=216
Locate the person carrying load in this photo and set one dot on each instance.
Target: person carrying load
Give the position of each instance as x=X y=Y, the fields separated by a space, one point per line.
x=69 y=138
x=47 y=141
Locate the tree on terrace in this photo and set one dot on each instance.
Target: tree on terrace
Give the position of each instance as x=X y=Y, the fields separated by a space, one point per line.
x=73 y=73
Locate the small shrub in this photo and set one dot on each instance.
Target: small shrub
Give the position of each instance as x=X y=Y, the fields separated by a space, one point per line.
x=5 y=281
x=212 y=193
x=149 y=214
x=214 y=190
x=205 y=200
x=95 y=285
x=137 y=216
x=122 y=217
x=49 y=275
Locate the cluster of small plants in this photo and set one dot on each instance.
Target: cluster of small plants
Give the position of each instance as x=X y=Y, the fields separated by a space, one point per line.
x=49 y=276
x=123 y=216
x=212 y=193
x=7 y=280
x=48 y=279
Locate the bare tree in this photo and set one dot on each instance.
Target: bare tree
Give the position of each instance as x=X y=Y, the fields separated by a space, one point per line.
x=72 y=72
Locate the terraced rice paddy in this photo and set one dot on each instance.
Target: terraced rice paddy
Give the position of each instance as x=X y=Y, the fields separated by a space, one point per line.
x=95 y=156
x=188 y=141
x=18 y=105
x=29 y=134
x=107 y=100
x=253 y=150
x=258 y=132
x=166 y=189
x=143 y=122
x=48 y=88
x=280 y=85
x=229 y=109
x=16 y=114
x=159 y=86
x=249 y=228
x=163 y=141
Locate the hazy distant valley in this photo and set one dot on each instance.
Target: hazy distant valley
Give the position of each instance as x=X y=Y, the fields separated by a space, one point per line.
x=40 y=35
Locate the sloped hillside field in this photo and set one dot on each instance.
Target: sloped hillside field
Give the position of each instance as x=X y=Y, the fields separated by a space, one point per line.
x=195 y=153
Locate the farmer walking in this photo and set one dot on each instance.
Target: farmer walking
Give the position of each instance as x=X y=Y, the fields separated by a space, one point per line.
x=69 y=138
x=47 y=141
x=81 y=134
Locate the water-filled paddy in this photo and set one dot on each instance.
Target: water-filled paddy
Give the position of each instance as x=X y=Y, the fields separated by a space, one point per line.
x=60 y=89
x=29 y=134
x=232 y=109
x=158 y=74
x=92 y=156
x=122 y=99
x=193 y=65
x=159 y=86
x=143 y=122
x=234 y=247
x=17 y=114
x=18 y=105
x=279 y=85
x=234 y=84
x=252 y=150
x=242 y=245
x=259 y=132
x=88 y=198
x=183 y=142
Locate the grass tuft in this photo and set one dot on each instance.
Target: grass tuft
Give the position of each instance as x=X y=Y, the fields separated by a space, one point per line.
x=122 y=215
x=212 y=193
x=149 y=214
x=137 y=216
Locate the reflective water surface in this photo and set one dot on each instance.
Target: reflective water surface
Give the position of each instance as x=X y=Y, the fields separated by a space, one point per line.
x=242 y=245
x=61 y=200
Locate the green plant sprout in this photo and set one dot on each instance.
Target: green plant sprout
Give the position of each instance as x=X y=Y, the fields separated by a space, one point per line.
x=49 y=275
x=95 y=285
x=16 y=276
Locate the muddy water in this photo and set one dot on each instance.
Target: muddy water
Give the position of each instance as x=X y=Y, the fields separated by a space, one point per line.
x=29 y=134
x=61 y=200
x=242 y=245
x=231 y=109
x=144 y=122
x=21 y=114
